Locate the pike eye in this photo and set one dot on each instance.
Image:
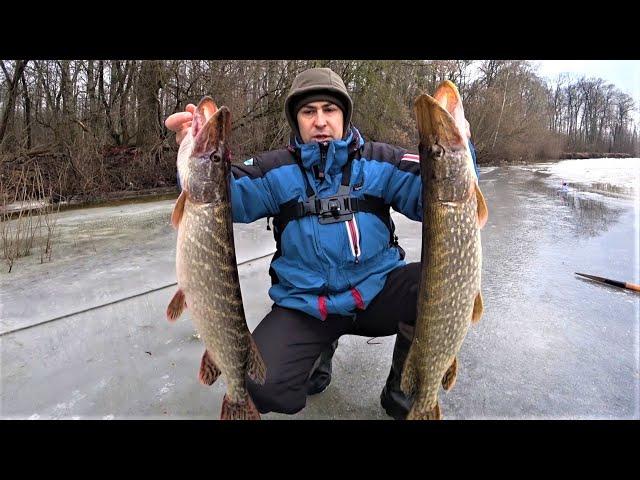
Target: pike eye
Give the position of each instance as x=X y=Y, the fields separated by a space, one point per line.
x=217 y=157
x=437 y=152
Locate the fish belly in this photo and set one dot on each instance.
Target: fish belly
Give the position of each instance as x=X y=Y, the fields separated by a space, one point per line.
x=450 y=284
x=207 y=274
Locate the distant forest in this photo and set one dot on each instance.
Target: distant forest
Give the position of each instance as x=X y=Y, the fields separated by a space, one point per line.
x=95 y=126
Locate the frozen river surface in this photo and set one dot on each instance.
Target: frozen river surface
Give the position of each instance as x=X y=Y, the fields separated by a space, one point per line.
x=85 y=336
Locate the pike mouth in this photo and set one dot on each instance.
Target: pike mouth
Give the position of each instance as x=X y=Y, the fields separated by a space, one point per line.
x=436 y=125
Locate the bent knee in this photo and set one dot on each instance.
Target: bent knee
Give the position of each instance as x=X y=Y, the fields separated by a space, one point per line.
x=277 y=397
x=413 y=271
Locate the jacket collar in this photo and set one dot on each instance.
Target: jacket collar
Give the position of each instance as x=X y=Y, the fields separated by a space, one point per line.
x=330 y=156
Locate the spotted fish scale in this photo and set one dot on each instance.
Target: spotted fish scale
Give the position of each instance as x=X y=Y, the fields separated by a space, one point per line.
x=206 y=268
x=454 y=211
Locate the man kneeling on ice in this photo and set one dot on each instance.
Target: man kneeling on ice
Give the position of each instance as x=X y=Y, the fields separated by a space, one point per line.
x=338 y=269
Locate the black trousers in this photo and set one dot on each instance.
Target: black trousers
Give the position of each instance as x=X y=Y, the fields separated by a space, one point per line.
x=290 y=341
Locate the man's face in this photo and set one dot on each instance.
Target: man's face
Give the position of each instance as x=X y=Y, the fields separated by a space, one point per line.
x=320 y=122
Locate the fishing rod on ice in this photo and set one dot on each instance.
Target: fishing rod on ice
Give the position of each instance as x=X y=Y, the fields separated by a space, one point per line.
x=608 y=281
x=146 y=292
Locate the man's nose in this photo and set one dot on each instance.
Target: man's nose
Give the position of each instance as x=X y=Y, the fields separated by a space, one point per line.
x=321 y=120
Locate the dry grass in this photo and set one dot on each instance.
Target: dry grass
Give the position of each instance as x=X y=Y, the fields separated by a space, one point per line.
x=34 y=223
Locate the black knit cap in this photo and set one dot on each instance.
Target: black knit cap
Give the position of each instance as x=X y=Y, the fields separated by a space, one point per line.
x=314 y=85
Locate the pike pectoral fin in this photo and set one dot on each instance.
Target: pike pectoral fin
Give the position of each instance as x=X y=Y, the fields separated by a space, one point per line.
x=244 y=410
x=478 y=308
x=178 y=208
x=256 y=368
x=449 y=378
x=176 y=306
x=209 y=373
x=483 y=211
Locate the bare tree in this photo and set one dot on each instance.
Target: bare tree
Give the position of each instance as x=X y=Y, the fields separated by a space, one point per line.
x=104 y=118
x=12 y=81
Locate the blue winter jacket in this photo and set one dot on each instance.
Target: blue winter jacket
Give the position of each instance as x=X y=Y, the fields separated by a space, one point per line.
x=333 y=268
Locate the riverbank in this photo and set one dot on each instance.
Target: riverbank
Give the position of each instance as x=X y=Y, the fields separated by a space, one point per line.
x=504 y=162
x=585 y=155
x=121 y=174
x=125 y=197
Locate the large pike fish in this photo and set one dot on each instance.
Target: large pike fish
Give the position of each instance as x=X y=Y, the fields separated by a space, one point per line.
x=206 y=266
x=454 y=212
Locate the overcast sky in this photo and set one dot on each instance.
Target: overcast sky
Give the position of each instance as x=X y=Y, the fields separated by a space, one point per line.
x=624 y=74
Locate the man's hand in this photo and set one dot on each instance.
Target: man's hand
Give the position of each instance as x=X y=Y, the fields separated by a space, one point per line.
x=180 y=122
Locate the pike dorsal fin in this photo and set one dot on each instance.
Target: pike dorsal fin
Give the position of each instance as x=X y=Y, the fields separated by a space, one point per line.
x=256 y=368
x=449 y=378
x=478 y=308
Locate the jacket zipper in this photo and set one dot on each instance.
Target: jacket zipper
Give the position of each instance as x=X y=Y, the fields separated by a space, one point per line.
x=354 y=236
x=324 y=148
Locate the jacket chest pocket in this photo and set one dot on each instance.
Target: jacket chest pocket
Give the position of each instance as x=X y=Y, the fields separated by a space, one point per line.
x=341 y=242
x=334 y=243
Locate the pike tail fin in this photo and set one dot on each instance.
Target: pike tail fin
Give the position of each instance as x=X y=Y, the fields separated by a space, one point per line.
x=417 y=412
x=244 y=410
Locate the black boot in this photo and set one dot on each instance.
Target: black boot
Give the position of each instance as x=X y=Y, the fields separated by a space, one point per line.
x=320 y=376
x=394 y=402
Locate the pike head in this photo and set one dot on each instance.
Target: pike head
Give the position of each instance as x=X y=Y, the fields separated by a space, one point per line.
x=204 y=164
x=445 y=159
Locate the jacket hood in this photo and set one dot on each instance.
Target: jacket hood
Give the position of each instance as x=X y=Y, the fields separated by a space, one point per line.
x=317 y=82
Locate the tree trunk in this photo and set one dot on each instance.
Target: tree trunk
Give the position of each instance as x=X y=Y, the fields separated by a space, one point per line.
x=27 y=110
x=148 y=106
x=67 y=130
x=128 y=74
x=11 y=96
x=504 y=98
